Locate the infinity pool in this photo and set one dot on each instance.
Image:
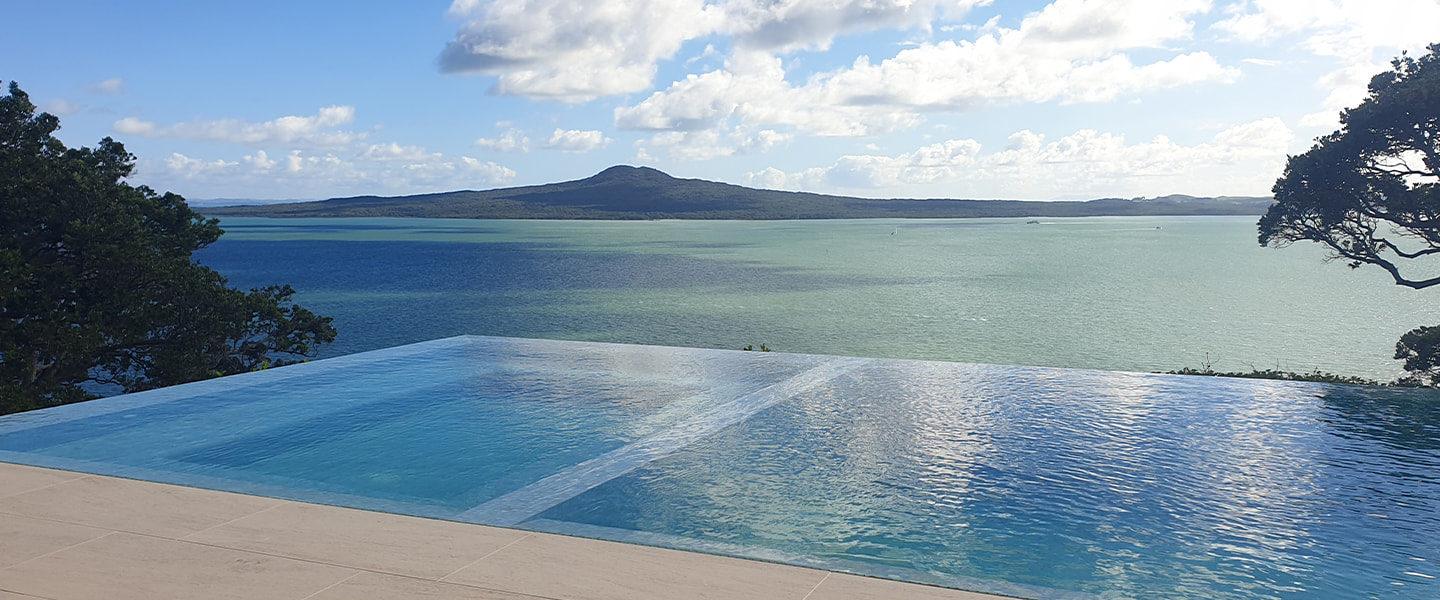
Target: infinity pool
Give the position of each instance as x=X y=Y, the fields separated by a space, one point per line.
x=1033 y=482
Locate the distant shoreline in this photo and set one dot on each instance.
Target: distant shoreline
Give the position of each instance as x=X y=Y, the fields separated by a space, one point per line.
x=639 y=193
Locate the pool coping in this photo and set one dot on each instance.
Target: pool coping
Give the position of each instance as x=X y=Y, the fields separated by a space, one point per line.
x=72 y=535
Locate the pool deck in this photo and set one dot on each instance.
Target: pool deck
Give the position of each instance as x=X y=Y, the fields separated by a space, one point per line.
x=67 y=535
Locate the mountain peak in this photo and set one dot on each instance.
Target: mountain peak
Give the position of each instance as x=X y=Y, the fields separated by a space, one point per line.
x=629 y=173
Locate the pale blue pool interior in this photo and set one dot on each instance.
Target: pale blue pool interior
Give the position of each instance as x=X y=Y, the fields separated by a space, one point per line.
x=1032 y=482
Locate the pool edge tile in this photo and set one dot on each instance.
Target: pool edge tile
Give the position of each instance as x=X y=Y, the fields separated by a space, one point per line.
x=375 y=541
x=141 y=507
x=124 y=566
x=556 y=566
x=378 y=586
x=843 y=586
x=28 y=538
x=16 y=479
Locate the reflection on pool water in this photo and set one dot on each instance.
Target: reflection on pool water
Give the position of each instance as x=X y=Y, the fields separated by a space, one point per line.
x=1043 y=483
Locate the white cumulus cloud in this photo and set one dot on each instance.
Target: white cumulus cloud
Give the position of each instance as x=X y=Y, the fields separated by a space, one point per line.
x=1072 y=51
x=1362 y=34
x=576 y=141
x=577 y=51
x=788 y=24
x=513 y=140
x=259 y=161
x=706 y=144
x=687 y=145
x=1087 y=162
x=192 y=168
x=377 y=169
x=394 y=152
x=752 y=91
x=313 y=131
x=571 y=51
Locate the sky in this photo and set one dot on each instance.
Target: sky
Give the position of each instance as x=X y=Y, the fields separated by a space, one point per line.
x=1029 y=100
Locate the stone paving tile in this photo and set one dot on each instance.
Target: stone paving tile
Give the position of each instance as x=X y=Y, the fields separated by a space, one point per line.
x=134 y=506
x=18 y=479
x=238 y=547
x=839 y=586
x=374 y=586
x=581 y=569
x=24 y=538
x=395 y=544
x=123 y=566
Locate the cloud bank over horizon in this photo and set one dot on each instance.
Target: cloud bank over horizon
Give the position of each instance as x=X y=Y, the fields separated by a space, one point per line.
x=1030 y=99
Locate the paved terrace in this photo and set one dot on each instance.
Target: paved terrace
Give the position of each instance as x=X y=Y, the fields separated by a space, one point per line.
x=72 y=536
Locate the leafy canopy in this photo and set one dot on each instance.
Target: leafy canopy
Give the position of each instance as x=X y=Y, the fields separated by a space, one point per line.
x=1420 y=349
x=1368 y=192
x=98 y=291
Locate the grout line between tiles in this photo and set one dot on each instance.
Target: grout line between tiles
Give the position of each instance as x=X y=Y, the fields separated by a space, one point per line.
x=328 y=587
x=277 y=504
x=492 y=553
x=359 y=570
x=64 y=522
x=458 y=585
x=57 y=551
x=269 y=554
x=48 y=486
x=356 y=570
x=24 y=595
x=817 y=586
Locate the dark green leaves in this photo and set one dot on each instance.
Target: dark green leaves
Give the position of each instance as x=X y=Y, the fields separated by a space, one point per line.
x=1420 y=349
x=98 y=289
x=1370 y=192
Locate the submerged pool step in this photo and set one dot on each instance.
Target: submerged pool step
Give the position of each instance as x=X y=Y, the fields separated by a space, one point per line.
x=522 y=504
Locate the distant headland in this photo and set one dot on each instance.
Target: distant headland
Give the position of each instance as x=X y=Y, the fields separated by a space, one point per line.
x=630 y=193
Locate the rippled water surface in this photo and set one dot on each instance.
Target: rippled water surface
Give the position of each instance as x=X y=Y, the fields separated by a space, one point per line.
x=1034 y=482
x=1110 y=484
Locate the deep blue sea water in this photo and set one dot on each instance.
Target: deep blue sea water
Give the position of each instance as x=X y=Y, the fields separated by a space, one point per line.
x=1138 y=294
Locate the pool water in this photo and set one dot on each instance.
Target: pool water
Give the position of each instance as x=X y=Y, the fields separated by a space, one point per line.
x=1033 y=482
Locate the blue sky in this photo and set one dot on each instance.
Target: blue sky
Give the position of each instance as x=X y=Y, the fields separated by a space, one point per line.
x=1028 y=100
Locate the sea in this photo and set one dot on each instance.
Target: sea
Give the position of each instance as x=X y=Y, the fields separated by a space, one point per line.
x=1143 y=294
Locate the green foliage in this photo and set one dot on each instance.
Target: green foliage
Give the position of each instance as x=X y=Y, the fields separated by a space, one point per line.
x=97 y=284
x=1370 y=192
x=1420 y=349
x=1316 y=376
x=749 y=348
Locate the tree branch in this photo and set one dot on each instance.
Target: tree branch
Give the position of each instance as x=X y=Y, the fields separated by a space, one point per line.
x=1399 y=279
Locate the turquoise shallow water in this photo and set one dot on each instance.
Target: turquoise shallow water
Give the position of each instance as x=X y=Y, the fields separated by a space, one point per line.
x=1035 y=482
x=1138 y=294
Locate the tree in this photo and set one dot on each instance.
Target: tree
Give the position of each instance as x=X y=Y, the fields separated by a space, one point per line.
x=1420 y=349
x=98 y=291
x=1368 y=192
